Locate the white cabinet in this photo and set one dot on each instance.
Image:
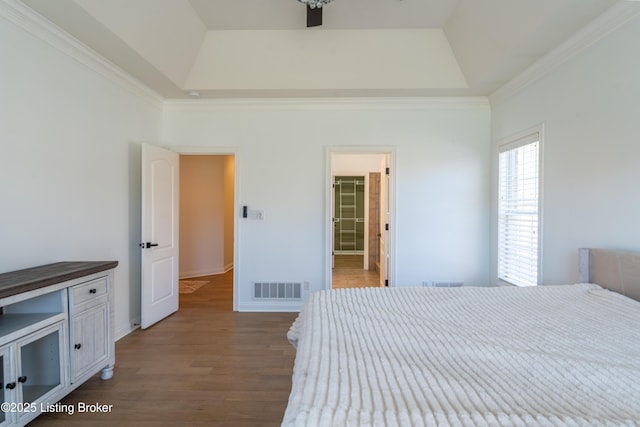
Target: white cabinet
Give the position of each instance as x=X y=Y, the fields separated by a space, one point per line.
x=34 y=373
x=56 y=331
x=32 y=336
x=5 y=369
x=89 y=331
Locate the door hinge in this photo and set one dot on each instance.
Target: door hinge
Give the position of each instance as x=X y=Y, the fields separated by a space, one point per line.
x=386 y=282
x=386 y=227
x=386 y=171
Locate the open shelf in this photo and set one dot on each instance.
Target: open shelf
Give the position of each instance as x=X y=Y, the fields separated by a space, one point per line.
x=11 y=324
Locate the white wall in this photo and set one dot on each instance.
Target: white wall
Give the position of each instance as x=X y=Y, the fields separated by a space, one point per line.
x=442 y=185
x=354 y=164
x=589 y=108
x=69 y=161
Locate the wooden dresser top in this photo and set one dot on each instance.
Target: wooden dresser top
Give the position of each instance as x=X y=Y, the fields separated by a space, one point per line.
x=16 y=282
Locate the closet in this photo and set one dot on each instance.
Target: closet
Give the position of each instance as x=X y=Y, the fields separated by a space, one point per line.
x=349 y=214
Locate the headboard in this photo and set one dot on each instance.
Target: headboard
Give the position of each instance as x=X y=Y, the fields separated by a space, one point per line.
x=615 y=270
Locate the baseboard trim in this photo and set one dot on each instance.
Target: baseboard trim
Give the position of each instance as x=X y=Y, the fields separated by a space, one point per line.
x=199 y=273
x=124 y=331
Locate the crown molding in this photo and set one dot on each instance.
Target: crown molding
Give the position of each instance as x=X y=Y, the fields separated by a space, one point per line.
x=315 y=104
x=614 y=18
x=35 y=24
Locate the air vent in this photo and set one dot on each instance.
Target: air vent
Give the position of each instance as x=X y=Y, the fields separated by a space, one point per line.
x=443 y=284
x=277 y=290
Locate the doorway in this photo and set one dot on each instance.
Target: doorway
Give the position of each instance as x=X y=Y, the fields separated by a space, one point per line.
x=360 y=202
x=207 y=188
x=159 y=199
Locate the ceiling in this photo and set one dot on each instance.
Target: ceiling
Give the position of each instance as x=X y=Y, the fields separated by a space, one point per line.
x=261 y=48
x=339 y=14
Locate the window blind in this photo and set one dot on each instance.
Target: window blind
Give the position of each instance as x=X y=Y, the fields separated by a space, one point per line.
x=518 y=219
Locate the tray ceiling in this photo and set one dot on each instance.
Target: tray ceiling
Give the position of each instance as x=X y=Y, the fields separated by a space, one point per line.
x=261 y=48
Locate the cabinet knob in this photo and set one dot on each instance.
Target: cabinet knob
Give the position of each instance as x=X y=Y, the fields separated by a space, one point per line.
x=11 y=386
x=77 y=346
x=22 y=379
x=93 y=290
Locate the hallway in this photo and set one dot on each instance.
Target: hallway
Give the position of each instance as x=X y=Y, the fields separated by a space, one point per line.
x=348 y=272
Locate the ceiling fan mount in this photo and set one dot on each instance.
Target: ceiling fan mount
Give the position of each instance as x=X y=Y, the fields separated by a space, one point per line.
x=314 y=11
x=314 y=16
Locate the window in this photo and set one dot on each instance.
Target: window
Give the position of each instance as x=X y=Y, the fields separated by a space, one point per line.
x=518 y=206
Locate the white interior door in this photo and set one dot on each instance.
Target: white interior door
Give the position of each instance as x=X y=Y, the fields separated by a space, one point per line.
x=159 y=245
x=385 y=221
x=333 y=221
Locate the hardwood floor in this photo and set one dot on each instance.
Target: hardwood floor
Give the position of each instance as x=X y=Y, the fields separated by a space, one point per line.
x=348 y=272
x=203 y=366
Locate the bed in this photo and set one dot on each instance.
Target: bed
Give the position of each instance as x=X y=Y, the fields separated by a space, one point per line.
x=473 y=356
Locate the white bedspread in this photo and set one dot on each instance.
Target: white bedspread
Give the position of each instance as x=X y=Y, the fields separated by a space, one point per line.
x=549 y=356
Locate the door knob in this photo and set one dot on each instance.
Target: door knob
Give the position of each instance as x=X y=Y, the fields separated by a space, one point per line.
x=22 y=379
x=147 y=245
x=11 y=386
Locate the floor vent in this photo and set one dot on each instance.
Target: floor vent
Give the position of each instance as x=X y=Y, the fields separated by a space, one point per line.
x=277 y=290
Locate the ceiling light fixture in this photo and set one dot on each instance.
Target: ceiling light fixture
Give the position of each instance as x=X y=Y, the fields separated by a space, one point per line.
x=315 y=3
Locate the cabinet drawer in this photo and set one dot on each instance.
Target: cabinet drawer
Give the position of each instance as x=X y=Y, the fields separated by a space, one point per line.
x=89 y=292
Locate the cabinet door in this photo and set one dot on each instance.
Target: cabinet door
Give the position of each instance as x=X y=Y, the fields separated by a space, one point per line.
x=89 y=346
x=8 y=384
x=40 y=366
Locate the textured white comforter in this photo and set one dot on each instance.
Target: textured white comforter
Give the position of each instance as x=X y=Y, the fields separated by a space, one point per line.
x=549 y=356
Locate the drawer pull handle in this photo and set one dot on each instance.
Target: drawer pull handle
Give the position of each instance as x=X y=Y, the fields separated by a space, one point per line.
x=77 y=346
x=22 y=379
x=11 y=386
x=93 y=290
